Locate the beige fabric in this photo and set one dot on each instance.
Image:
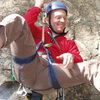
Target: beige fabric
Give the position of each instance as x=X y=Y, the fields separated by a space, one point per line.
x=35 y=74
x=2 y=36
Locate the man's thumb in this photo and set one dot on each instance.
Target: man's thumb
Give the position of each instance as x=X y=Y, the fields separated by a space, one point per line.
x=60 y=57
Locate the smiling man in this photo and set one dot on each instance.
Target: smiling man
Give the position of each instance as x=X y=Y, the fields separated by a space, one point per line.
x=62 y=50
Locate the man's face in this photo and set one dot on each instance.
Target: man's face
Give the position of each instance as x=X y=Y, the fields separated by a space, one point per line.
x=58 y=20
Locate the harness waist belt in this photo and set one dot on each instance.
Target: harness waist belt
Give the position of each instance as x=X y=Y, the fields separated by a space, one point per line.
x=25 y=60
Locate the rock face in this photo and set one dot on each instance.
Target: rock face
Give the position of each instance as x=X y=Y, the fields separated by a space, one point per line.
x=84 y=28
x=84 y=22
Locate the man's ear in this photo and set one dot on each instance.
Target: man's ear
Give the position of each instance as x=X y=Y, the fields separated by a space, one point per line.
x=47 y=20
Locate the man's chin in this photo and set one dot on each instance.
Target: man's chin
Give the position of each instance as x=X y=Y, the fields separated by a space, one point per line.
x=60 y=32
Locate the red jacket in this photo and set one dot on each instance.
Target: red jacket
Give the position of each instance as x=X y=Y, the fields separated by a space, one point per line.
x=67 y=46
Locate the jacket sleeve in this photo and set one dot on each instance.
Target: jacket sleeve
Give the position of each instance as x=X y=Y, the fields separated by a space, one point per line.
x=31 y=17
x=73 y=49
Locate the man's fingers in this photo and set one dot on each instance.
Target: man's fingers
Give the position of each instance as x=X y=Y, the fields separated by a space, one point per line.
x=60 y=57
x=68 y=63
x=65 y=61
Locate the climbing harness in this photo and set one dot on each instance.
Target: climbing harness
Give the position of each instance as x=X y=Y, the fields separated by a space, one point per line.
x=51 y=70
x=25 y=60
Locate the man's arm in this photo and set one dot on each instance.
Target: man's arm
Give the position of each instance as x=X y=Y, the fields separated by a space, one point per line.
x=72 y=55
x=73 y=49
x=32 y=13
x=31 y=17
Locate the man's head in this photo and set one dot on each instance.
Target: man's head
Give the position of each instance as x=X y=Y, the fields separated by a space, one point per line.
x=56 y=16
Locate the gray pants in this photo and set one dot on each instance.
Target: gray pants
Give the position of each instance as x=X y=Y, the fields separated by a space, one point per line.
x=15 y=31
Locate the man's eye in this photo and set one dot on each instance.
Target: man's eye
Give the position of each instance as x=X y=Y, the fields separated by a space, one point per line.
x=58 y=17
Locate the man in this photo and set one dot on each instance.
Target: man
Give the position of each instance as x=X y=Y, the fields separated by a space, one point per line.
x=31 y=70
x=61 y=50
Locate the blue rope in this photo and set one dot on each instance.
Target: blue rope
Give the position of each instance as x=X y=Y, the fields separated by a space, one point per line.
x=51 y=71
x=25 y=60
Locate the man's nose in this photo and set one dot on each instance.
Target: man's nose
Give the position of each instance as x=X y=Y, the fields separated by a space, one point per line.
x=62 y=20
